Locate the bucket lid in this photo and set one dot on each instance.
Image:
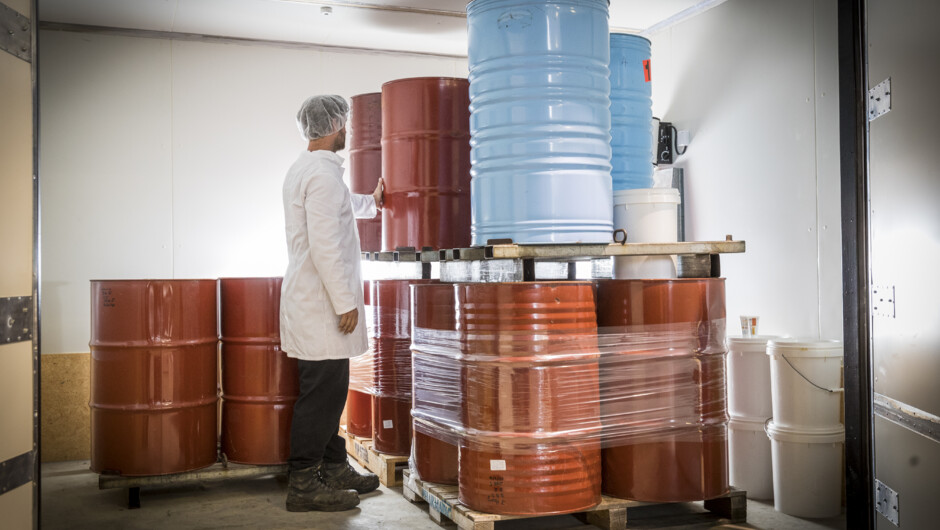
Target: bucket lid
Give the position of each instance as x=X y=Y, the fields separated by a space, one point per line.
x=647 y=195
x=825 y=435
x=805 y=347
x=747 y=423
x=755 y=344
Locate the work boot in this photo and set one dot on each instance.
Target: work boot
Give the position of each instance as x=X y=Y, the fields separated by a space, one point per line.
x=306 y=491
x=343 y=476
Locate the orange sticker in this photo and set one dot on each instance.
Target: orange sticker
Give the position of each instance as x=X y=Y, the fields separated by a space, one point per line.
x=646 y=70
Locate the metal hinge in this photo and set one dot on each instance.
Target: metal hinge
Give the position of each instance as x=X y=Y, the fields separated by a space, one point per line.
x=15 y=36
x=16 y=319
x=886 y=502
x=882 y=301
x=879 y=99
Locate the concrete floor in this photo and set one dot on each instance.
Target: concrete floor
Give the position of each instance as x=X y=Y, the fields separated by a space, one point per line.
x=71 y=500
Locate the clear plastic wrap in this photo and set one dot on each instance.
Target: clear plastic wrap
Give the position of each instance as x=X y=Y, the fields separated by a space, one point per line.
x=521 y=379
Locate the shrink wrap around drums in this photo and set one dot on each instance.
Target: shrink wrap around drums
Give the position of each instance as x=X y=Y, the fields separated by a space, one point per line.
x=535 y=446
x=391 y=344
x=436 y=385
x=676 y=447
x=154 y=390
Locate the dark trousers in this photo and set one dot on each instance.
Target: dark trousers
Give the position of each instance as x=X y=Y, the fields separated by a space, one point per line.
x=315 y=425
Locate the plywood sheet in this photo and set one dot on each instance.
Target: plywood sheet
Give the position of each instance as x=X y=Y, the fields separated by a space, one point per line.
x=66 y=428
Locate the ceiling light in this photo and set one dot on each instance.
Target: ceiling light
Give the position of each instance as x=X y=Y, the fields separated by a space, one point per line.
x=326 y=10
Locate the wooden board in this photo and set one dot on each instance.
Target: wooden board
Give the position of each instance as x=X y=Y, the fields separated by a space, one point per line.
x=445 y=508
x=389 y=468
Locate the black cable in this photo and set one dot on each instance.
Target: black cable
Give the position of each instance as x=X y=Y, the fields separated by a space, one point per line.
x=675 y=135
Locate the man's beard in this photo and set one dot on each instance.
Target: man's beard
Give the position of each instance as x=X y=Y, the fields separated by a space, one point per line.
x=339 y=143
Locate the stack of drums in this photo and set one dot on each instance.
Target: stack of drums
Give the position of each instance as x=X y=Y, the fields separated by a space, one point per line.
x=426 y=163
x=437 y=397
x=259 y=381
x=806 y=434
x=677 y=448
x=359 y=398
x=391 y=344
x=154 y=385
x=749 y=405
x=540 y=120
x=365 y=161
x=530 y=387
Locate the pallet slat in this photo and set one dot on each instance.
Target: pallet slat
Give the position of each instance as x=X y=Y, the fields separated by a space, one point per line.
x=388 y=468
x=610 y=514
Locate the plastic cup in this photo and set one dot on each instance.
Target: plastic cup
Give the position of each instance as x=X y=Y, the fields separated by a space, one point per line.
x=749 y=326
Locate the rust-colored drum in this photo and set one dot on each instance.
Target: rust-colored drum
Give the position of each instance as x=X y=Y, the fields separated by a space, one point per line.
x=426 y=163
x=154 y=385
x=682 y=453
x=436 y=376
x=538 y=447
x=365 y=161
x=359 y=414
x=259 y=380
x=359 y=398
x=391 y=405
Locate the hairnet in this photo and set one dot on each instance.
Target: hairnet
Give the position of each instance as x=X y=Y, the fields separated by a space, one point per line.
x=321 y=116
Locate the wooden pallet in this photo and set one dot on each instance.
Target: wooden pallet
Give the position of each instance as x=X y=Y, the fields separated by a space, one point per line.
x=388 y=468
x=611 y=514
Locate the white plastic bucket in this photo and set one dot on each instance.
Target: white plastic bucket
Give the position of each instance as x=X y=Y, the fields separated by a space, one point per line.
x=649 y=215
x=749 y=464
x=749 y=377
x=806 y=382
x=807 y=470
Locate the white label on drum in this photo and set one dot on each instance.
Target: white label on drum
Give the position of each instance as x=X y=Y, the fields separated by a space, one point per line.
x=497 y=465
x=387 y=424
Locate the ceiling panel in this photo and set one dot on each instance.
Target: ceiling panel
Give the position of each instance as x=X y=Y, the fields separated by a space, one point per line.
x=400 y=25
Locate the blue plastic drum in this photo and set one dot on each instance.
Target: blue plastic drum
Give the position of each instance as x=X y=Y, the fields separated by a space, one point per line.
x=540 y=121
x=631 y=113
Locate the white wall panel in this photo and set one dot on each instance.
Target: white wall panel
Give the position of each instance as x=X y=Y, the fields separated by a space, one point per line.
x=742 y=78
x=165 y=159
x=106 y=172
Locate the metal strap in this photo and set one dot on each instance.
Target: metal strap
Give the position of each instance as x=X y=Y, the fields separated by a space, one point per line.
x=16 y=471
x=15 y=33
x=830 y=390
x=16 y=319
x=919 y=421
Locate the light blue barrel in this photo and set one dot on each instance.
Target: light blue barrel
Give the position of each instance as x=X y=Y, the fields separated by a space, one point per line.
x=540 y=121
x=631 y=113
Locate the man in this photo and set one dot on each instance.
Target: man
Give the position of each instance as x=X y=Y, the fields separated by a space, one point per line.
x=322 y=320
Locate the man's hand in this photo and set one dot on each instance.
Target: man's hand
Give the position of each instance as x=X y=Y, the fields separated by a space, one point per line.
x=348 y=322
x=379 y=193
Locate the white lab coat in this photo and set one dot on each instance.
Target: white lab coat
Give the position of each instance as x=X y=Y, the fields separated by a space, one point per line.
x=323 y=278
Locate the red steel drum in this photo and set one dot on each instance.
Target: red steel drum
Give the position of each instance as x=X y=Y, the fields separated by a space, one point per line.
x=359 y=400
x=154 y=385
x=359 y=414
x=672 y=464
x=542 y=451
x=426 y=163
x=391 y=405
x=365 y=161
x=435 y=378
x=259 y=381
